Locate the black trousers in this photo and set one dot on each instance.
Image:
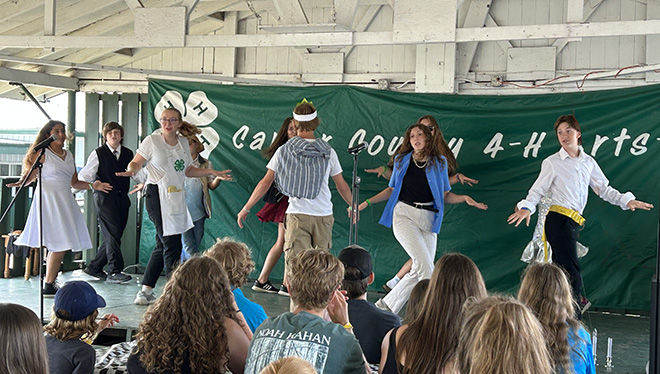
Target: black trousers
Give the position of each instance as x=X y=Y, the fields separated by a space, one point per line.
x=167 y=252
x=112 y=213
x=562 y=233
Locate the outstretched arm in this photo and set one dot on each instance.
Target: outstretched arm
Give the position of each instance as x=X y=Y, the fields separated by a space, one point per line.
x=133 y=167
x=459 y=177
x=382 y=171
x=259 y=191
x=379 y=197
x=636 y=204
x=452 y=198
x=195 y=172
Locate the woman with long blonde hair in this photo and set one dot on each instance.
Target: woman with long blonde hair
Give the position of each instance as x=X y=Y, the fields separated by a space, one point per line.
x=546 y=291
x=500 y=335
x=192 y=327
x=427 y=344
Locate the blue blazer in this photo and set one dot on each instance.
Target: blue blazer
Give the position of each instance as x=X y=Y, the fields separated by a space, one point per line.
x=438 y=180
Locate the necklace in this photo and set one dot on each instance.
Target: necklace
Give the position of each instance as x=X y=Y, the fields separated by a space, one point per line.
x=63 y=154
x=421 y=164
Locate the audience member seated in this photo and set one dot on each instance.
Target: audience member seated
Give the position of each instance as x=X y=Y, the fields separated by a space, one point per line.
x=370 y=324
x=289 y=365
x=192 y=327
x=73 y=328
x=546 y=291
x=313 y=279
x=500 y=335
x=22 y=346
x=428 y=343
x=414 y=306
x=236 y=260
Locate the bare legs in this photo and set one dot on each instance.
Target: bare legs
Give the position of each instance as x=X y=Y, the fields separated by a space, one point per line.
x=273 y=256
x=53 y=261
x=405 y=268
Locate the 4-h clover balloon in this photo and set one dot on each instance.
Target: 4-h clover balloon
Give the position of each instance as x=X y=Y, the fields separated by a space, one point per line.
x=198 y=110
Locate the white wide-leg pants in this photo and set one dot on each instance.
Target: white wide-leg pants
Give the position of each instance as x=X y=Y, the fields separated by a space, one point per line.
x=412 y=228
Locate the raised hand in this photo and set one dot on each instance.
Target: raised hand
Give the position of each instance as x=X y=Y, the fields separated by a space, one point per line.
x=636 y=204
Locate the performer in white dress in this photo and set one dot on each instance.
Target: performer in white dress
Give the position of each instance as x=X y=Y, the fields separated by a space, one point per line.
x=63 y=223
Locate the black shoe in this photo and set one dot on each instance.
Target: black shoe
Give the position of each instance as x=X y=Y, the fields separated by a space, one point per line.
x=387 y=288
x=264 y=287
x=283 y=291
x=50 y=289
x=117 y=278
x=96 y=274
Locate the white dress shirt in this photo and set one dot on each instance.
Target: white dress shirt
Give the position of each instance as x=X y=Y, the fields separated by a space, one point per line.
x=88 y=173
x=569 y=179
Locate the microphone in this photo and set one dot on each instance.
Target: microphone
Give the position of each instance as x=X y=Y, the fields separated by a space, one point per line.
x=45 y=143
x=358 y=148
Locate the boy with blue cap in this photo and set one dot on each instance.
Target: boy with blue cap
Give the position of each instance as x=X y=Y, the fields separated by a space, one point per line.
x=73 y=328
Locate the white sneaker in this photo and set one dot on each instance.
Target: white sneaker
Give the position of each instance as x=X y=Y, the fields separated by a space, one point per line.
x=380 y=304
x=392 y=283
x=143 y=298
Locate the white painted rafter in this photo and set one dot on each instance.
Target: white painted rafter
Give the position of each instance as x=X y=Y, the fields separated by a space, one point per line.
x=38 y=79
x=362 y=25
x=134 y=4
x=147 y=72
x=504 y=44
x=189 y=5
x=574 y=11
x=290 y=12
x=49 y=17
x=340 y=39
x=345 y=12
x=587 y=12
x=478 y=11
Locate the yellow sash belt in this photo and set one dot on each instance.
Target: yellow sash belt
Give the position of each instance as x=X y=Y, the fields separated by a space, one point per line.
x=570 y=213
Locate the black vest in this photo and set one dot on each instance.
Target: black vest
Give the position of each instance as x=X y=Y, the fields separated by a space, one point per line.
x=109 y=165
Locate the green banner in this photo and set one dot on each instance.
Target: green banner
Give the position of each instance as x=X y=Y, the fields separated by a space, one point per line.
x=499 y=140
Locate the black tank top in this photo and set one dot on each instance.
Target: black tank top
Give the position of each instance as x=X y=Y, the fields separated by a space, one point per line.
x=391 y=366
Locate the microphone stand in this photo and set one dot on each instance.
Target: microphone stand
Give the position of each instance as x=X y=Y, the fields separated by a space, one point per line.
x=37 y=165
x=353 y=230
x=654 y=351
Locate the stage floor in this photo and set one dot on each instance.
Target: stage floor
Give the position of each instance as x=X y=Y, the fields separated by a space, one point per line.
x=630 y=333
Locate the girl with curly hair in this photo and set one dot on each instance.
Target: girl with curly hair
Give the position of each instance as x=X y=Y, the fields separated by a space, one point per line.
x=546 y=291
x=427 y=344
x=192 y=327
x=416 y=196
x=236 y=260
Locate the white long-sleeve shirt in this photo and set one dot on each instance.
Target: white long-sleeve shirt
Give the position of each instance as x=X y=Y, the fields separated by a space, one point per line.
x=569 y=180
x=88 y=173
